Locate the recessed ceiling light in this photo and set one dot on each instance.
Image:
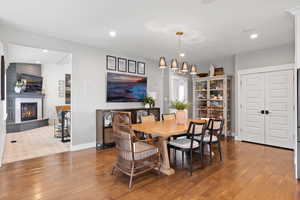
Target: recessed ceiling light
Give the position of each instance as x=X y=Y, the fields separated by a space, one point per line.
x=253 y=36
x=112 y=33
x=182 y=55
x=45 y=50
x=38 y=62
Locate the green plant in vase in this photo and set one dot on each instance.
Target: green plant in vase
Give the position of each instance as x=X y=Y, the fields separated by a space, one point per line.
x=181 y=111
x=149 y=102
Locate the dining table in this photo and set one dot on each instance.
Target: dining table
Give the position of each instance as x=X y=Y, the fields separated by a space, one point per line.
x=164 y=130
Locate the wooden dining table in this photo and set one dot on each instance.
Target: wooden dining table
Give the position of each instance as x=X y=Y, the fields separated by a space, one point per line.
x=164 y=129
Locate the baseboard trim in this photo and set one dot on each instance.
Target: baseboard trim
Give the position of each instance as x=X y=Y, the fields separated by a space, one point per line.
x=83 y=146
x=2 y=146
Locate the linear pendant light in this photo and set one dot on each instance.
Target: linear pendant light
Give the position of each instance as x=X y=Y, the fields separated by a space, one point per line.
x=176 y=62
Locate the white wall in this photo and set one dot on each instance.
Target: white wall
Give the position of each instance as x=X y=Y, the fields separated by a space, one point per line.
x=88 y=79
x=2 y=124
x=52 y=74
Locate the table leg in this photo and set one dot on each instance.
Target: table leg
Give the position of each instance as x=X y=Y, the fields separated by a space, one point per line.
x=165 y=165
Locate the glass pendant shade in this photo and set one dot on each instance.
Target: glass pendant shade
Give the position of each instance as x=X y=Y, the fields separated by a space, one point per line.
x=193 y=70
x=184 y=67
x=174 y=64
x=162 y=63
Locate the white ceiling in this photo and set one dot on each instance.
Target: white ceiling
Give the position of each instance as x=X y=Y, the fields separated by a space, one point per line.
x=213 y=28
x=21 y=54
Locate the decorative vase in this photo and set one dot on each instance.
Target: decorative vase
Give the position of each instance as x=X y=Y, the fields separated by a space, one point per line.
x=181 y=116
x=147 y=105
x=18 y=90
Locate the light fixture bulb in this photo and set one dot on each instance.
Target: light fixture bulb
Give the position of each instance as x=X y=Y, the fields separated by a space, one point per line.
x=181 y=54
x=193 y=70
x=184 y=67
x=112 y=33
x=162 y=63
x=45 y=50
x=174 y=64
x=253 y=36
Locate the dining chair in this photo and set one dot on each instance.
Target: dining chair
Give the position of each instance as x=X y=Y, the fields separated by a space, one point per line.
x=145 y=119
x=134 y=157
x=189 y=143
x=170 y=116
x=213 y=136
x=148 y=118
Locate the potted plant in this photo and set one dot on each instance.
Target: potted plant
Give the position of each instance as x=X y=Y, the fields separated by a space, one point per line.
x=181 y=112
x=148 y=102
x=19 y=86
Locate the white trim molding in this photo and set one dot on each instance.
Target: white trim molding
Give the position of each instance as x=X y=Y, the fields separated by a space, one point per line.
x=294 y=11
x=83 y=146
x=266 y=69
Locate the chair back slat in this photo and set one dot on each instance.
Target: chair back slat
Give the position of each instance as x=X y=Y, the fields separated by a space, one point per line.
x=149 y=118
x=196 y=129
x=171 y=116
x=123 y=133
x=215 y=127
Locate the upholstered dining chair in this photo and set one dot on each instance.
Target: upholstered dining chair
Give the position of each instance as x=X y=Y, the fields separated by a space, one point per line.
x=189 y=144
x=213 y=136
x=134 y=157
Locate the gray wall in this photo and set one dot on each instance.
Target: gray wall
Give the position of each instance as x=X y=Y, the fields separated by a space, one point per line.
x=88 y=79
x=278 y=55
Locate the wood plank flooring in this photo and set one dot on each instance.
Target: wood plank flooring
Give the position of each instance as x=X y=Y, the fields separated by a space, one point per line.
x=248 y=171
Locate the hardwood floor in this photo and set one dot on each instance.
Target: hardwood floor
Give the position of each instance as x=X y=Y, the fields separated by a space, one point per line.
x=249 y=171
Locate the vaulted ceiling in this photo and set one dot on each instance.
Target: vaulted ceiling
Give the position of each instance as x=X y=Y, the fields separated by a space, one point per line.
x=213 y=28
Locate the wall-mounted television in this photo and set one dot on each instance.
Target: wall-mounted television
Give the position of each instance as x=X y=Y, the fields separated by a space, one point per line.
x=125 y=88
x=33 y=83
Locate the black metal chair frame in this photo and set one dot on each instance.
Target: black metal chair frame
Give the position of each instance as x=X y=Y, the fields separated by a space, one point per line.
x=190 y=135
x=214 y=132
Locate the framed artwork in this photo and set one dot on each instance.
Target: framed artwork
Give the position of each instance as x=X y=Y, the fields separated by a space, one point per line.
x=141 y=68
x=111 y=63
x=122 y=65
x=131 y=66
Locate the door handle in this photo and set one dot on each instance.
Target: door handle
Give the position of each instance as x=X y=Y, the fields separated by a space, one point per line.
x=267 y=112
x=262 y=112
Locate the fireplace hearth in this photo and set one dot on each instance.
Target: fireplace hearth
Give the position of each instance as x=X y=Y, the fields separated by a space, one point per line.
x=29 y=111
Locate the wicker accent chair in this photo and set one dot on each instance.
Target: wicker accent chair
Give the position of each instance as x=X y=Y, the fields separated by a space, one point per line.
x=134 y=157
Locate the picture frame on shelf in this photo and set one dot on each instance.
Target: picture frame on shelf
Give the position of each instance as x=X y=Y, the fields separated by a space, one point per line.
x=122 y=65
x=132 y=66
x=111 y=63
x=141 y=68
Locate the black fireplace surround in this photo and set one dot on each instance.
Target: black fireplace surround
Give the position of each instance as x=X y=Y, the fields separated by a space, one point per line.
x=28 y=111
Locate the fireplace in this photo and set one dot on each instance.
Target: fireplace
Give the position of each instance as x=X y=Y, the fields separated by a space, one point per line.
x=29 y=111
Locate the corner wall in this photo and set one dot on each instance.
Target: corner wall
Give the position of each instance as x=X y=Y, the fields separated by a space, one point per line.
x=88 y=79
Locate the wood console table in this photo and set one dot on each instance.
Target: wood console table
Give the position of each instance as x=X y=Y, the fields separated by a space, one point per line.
x=104 y=136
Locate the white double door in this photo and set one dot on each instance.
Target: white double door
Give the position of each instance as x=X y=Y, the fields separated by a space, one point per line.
x=267 y=106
